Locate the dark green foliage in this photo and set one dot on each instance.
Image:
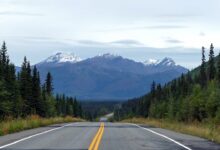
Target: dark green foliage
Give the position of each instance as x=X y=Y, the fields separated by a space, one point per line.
x=187 y=98
x=68 y=106
x=95 y=109
x=211 y=64
x=48 y=84
x=203 y=69
x=22 y=95
x=218 y=68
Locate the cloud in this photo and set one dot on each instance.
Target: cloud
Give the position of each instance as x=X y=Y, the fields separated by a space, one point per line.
x=128 y=42
x=173 y=41
x=119 y=43
x=90 y=42
x=202 y=34
x=19 y=13
x=167 y=27
x=156 y=27
x=183 y=15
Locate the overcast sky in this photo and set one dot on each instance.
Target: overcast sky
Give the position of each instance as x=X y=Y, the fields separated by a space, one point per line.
x=137 y=29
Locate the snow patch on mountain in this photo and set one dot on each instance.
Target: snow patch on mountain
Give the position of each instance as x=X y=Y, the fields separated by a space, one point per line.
x=61 y=57
x=164 y=62
x=167 y=62
x=108 y=56
x=151 y=62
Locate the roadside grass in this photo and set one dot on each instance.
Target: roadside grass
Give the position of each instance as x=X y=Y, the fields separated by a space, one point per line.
x=14 y=125
x=206 y=130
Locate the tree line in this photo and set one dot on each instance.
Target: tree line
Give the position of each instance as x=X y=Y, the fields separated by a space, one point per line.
x=193 y=96
x=22 y=94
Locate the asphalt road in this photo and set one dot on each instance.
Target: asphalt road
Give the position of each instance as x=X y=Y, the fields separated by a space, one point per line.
x=103 y=136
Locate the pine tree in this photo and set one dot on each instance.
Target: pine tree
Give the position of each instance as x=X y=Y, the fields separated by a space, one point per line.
x=4 y=62
x=218 y=68
x=8 y=83
x=202 y=69
x=43 y=102
x=36 y=90
x=4 y=54
x=1 y=65
x=75 y=108
x=26 y=87
x=159 y=92
x=49 y=86
x=211 y=63
x=153 y=89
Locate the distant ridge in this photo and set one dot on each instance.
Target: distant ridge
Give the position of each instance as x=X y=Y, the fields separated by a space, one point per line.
x=106 y=76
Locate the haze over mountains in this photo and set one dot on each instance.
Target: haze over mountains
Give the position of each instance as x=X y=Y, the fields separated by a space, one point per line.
x=107 y=76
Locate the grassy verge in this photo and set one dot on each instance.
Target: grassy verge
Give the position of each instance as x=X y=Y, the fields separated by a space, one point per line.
x=204 y=130
x=15 y=125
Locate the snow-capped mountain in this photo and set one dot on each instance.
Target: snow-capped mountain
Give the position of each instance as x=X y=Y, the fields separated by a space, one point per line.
x=151 y=62
x=107 y=56
x=167 y=62
x=61 y=57
x=106 y=76
x=164 y=62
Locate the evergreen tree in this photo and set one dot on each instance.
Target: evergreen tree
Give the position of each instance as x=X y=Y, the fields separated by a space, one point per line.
x=211 y=63
x=8 y=83
x=4 y=54
x=218 y=68
x=26 y=87
x=159 y=92
x=75 y=108
x=49 y=86
x=22 y=95
x=202 y=69
x=153 y=89
x=36 y=90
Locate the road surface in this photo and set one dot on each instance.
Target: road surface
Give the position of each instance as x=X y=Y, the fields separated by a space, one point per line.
x=103 y=136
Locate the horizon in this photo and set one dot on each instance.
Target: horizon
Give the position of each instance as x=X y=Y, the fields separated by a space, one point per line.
x=150 y=60
x=188 y=65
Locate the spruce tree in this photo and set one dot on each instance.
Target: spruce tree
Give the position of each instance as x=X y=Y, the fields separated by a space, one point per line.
x=202 y=69
x=49 y=86
x=1 y=66
x=218 y=68
x=26 y=87
x=8 y=83
x=211 y=64
x=159 y=92
x=153 y=89
x=4 y=53
x=75 y=108
x=36 y=90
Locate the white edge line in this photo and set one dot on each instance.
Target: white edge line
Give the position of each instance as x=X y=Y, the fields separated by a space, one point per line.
x=164 y=136
x=31 y=136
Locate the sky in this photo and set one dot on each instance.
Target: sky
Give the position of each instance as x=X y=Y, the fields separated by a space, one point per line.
x=136 y=29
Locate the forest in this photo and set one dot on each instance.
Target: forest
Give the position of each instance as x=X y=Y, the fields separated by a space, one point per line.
x=194 y=96
x=22 y=94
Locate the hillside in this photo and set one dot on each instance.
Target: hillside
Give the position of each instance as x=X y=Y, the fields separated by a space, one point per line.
x=191 y=97
x=106 y=76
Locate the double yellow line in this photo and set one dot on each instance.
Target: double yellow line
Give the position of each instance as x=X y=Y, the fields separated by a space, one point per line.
x=97 y=139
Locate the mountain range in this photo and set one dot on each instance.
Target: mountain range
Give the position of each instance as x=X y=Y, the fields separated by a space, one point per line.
x=107 y=76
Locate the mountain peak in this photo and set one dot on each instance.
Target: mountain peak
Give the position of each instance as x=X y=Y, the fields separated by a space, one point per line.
x=164 y=62
x=167 y=62
x=108 y=56
x=61 y=57
x=151 y=62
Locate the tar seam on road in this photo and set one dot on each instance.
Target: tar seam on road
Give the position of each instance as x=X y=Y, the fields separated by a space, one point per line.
x=31 y=136
x=164 y=136
x=97 y=138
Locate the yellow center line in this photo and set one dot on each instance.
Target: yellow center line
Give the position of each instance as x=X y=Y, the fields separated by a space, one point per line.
x=97 y=139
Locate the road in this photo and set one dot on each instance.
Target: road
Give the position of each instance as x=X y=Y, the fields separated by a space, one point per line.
x=103 y=136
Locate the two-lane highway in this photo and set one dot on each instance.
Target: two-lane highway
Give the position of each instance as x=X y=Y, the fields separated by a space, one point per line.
x=103 y=136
